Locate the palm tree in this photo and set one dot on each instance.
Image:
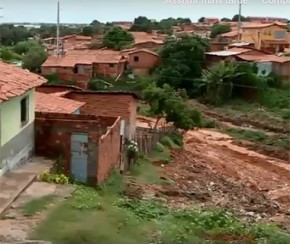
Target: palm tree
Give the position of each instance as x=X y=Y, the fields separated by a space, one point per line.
x=218 y=80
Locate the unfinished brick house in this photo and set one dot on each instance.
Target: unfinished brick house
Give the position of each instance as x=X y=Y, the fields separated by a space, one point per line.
x=113 y=104
x=88 y=146
x=101 y=103
x=142 y=61
x=82 y=65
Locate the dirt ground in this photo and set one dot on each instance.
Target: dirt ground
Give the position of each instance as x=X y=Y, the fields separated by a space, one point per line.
x=212 y=171
x=14 y=225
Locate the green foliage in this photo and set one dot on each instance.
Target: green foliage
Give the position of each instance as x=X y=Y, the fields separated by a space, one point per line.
x=54 y=178
x=182 y=62
x=170 y=104
x=219 y=81
x=275 y=98
x=236 y=18
x=164 y=26
x=117 y=38
x=24 y=46
x=7 y=54
x=34 y=58
x=218 y=29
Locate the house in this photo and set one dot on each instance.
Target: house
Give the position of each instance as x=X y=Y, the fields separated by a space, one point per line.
x=147 y=40
x=265 y=36
x=229 y=54
x=82 y=65
x=101 y=103
x=110 y=103
x=67 y=43
x=17 y=105
x=87 y=147
x=211 y=21
x=279 y=65
x=142 y=61
x=54 y=103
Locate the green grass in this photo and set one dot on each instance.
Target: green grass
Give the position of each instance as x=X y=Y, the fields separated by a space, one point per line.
x=105 y=215
x=260 y=137
x=102 y=216
x=37 y=205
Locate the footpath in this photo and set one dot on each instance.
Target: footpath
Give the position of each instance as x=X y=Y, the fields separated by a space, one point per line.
x=14 y=182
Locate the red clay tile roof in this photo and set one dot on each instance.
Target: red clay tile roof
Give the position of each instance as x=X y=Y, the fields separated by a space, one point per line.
x=143 y=50
x=49 y=103
x=233 y=33
x=15 y=81
x=86 y=57
x=264 y=58
x=262 y=25
x=143 y=37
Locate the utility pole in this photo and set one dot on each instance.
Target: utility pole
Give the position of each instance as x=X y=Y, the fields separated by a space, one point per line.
x=240 y=22
x=57 y=32
x=1 y=23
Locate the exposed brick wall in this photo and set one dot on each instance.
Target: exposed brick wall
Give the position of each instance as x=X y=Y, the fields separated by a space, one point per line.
x=109 y=151
x=53 y=138
x=112 y=105
x=146 y=61
x=107 y=69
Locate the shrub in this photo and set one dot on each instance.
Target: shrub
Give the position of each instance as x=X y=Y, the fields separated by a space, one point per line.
x=54 y=178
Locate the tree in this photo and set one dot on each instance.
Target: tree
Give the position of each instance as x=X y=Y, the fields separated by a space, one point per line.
x=24 y=46
x=142 y=23
x=219 y=29
x=165 y=102
x=34 y=58
x=117 y=38
x=226 y=19
x=182 y=61
x=236 y=18
x=201 y=19
x=219 y=81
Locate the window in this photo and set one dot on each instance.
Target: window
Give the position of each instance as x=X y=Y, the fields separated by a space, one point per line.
x=136 y=58
x=76 y=69
x=24 y=111
x=280 y=34
x=111 y=65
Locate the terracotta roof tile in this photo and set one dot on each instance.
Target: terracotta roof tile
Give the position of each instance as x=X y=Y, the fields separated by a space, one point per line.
x=49 y=103
x=15 y=81
x=143 y=37
x=86 y=57
x=143 y=50
x=264 y=58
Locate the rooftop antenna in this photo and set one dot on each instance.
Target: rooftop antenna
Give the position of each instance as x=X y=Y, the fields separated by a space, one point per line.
x=57 y=32
x=240 y=22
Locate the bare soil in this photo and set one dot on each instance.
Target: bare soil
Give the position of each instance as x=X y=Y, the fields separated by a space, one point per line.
x=213 y=171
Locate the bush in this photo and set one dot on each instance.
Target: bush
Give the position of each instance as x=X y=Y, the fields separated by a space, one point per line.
x=54 y=178
x=159 y=147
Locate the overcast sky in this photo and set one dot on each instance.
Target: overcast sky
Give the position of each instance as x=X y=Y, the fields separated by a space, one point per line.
x=84 y=11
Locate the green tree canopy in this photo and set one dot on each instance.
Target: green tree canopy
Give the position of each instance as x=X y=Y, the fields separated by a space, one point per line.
x=34 y=58
x=166 y=102
x=117 y=38
x=182 y=62
x=236 y=18
x=201 y=19
x=219 y=29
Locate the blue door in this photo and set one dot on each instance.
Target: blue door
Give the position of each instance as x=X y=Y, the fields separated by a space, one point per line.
x=79 y=156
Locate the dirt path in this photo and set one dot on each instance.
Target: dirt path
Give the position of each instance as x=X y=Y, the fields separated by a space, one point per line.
x=214 y=171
